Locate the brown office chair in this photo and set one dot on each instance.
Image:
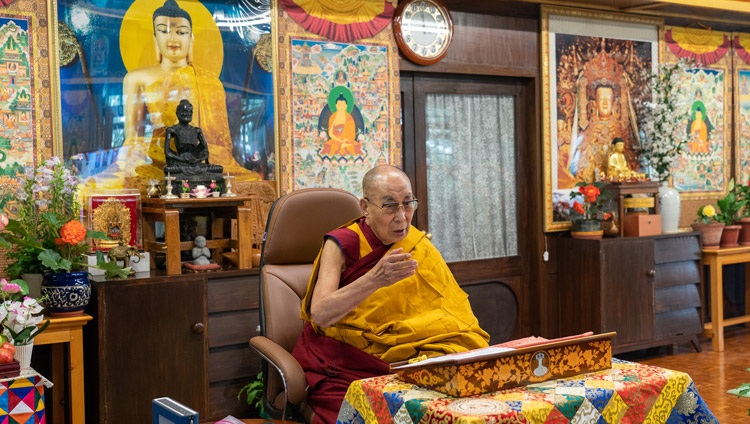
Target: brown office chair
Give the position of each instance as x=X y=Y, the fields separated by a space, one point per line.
x=294 y=234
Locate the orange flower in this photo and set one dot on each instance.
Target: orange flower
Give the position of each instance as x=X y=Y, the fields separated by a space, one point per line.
x=578 y=208
x=73 y=232
x=590 y=193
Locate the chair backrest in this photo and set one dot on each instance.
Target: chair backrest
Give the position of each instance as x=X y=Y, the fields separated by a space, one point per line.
x=294 y=234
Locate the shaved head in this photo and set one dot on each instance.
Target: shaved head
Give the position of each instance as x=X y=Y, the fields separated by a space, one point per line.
x=376 y=175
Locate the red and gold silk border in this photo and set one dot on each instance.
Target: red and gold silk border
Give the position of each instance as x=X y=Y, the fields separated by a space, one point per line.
x=704 y=46
x=341 y=20
x=741 y=45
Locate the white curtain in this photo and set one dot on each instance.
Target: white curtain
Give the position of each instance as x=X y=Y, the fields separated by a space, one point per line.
x=471 y=176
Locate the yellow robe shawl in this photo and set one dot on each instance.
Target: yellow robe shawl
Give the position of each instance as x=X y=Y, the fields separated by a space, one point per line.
x=425 y=314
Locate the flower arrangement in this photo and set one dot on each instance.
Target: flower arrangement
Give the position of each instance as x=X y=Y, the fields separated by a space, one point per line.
x=46 y=234
x=185 y=186
x=594 y=198
x=664 y=119
x=20 y=315
x=212 y=186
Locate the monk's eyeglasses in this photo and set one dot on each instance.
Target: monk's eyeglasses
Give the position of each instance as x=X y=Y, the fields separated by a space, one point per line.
x=390 y=208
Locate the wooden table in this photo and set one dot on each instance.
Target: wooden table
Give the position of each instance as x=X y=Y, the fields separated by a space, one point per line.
x=716 y=259
x=67 y=330
x=168 y=211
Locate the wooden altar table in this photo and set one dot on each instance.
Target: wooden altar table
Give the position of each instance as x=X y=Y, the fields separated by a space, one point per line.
x=716 y=259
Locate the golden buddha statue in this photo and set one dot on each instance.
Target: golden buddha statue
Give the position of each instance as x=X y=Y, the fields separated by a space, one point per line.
x=617 y=164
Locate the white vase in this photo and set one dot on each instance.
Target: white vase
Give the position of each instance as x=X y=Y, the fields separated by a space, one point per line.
x=23 y=355
x=669 y=208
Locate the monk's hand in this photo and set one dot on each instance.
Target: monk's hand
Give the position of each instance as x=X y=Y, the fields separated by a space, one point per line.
x=394 y=266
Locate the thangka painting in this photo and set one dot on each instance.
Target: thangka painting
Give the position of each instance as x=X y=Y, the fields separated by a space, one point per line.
x=29 y=115
x=126 y=65
x=741 y=48
x=595 y=78
x=702 y=171
x=339 y=108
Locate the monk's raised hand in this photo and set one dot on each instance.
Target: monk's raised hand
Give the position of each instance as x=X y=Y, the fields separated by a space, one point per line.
x=394 y=266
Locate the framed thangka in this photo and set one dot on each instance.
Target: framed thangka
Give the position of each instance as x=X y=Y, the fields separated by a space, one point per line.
x=29 y=106
x=125 y=65
x=595 y=75
x=338 y=108
x=741 y=48
x=702 y=171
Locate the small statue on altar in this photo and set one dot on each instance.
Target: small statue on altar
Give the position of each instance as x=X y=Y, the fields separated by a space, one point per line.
x=201 y=253
x=189 y=156
x=617 y=165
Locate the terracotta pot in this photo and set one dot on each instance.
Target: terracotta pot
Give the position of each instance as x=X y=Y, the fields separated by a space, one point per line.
x=710 y=233
x=730 y=236
x=744 y=232
x=587 y=229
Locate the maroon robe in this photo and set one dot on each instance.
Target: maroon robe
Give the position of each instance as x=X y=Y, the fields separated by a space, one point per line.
x=330 y=365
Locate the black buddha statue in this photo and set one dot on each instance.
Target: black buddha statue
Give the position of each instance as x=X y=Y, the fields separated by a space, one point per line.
x=186 y=150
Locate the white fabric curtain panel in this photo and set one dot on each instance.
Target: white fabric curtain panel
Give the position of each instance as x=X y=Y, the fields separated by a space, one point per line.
x=471 y=175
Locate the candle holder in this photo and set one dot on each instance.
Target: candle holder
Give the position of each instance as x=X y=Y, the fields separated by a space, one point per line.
x=168 y=188
x=228 y=184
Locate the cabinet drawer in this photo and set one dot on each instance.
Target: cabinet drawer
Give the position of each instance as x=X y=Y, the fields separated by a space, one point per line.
x=676 y=297
x=233 y=328
x=678 y=323
x=232 y=363
x=233 y=294
x=674 y=249
x=677 y=274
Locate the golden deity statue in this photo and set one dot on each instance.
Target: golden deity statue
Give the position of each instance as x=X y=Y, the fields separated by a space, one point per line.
x=617 y=165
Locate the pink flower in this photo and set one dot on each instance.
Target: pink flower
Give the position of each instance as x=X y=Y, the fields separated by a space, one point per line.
x=3 y=221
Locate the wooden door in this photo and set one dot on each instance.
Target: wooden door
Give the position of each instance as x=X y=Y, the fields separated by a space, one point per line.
x=496 y=277
x=627 y=292
x=152 y=343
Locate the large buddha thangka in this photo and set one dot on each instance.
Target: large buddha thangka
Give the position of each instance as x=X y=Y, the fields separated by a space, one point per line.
x=599 y=108
x=186 y=152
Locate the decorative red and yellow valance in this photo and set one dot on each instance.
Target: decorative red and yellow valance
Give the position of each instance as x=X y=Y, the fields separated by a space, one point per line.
x=341 y=20
x=704 y=46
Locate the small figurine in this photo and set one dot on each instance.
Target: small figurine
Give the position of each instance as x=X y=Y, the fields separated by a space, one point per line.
x=124 y=253
x=201 y=253
x=617 y=165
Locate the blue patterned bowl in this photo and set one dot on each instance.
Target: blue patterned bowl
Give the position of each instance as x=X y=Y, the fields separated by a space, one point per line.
x=67 y=293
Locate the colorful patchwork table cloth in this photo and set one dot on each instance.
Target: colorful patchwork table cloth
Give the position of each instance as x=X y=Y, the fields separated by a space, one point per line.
x=22 y=400
x=626 y=393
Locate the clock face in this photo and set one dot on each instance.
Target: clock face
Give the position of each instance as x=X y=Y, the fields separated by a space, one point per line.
x=423 y=30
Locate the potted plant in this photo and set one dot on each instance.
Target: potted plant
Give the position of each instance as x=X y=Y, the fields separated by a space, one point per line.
x=665 y=135
x=742 y=191
x=20 y=316
x=729 y=213
x=709 y=228
x=46 y=236
x=587 y=215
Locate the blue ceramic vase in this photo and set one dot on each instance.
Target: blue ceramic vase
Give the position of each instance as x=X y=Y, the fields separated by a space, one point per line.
x=67 y=293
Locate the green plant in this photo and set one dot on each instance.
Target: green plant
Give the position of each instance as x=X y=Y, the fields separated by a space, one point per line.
x=254 y=394
x=742 y=192
x=45 y=233
x=730 y=206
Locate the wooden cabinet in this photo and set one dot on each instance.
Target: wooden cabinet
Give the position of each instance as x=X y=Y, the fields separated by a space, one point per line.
x=183 y=336
x=647 y=289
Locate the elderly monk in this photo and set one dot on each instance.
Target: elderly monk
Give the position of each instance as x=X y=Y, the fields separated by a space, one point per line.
x=380 y=292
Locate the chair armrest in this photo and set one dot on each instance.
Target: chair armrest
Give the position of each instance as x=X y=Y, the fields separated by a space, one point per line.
x=291 y=372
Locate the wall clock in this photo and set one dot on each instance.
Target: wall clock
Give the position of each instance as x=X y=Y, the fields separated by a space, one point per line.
x=423 y=30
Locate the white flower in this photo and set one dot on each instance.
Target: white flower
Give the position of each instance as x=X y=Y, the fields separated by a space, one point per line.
x=662 y=126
